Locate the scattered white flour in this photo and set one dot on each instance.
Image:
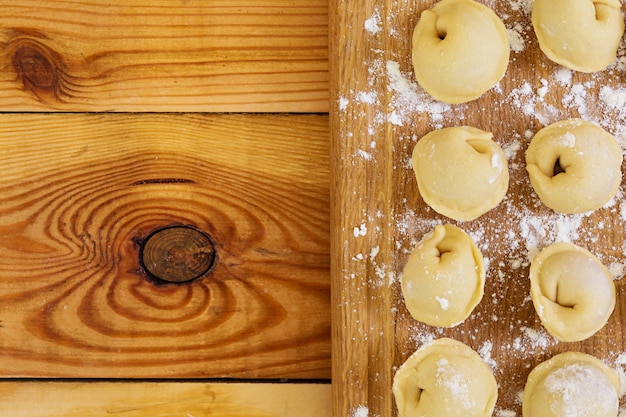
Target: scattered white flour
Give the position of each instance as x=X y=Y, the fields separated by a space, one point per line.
x=576 y=99
x=367 y=98
x=360 y=230
x=617 y=270
x=563 y=76
x=525 y=6
x=443 y=302
x=409 y=97
x=343 y=103
x=505 y=413
x=485 y=353
x=372 y=25
x=615 y=100
x=516 y=39
x=364 y=154
x=620 y=62
x=361 y=411
x=538 y=339
x=531 y=103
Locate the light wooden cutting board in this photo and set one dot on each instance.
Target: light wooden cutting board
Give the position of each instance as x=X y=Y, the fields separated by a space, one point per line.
x=378 y=113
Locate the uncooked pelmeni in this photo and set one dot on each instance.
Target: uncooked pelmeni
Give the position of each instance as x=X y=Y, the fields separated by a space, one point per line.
x=445 y=378
x=582 y=35
x=572 y=291
x=574 y=166
x=571 y=384
x=444 y=278
x=460 y=50
x=461 y=172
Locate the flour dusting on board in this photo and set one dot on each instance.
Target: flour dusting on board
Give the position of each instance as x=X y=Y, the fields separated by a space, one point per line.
x=372 y=25
x=361 y=411
x=392 y=101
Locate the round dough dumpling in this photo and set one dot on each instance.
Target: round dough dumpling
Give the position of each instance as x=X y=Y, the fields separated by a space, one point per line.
x=445 y=378
x=460 y=50
x=444 y=278
x=461 y=172
x=582 y=35
x=572 y=291
x=571 y=384
x=574 y=166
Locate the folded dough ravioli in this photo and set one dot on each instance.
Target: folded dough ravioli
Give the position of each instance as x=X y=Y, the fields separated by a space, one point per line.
x=460 y=50
x=574 y=166
x=582 y=35
x=444 y=278
x=572 y=291
x=461 y=171
x=445 y=378
x=571 y=384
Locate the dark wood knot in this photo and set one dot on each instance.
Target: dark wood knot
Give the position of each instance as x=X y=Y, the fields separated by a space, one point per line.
x=177 y=254
x=36 y=67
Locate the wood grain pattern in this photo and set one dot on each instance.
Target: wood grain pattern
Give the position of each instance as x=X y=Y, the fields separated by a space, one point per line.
x=149 y=399
x=79 y=191
x=177 y=55
x=377 y=115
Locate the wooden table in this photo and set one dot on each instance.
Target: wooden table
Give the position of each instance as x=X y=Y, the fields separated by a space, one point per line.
x=378 y=114
x=199 y=125
x=124 y=122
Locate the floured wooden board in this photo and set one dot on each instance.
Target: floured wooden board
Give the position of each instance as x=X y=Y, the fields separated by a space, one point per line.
x=378 y=114
x=81 y=193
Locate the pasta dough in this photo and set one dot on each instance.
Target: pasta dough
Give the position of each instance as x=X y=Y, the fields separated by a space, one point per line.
x=445 y=379
x=573 y=293
x=574 y=166
x=582 y=35
x=461 y=172
x=571 y=384
x=444 y=278
x=460 y=50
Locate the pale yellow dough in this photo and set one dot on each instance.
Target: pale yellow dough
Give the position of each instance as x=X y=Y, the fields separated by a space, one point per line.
x=444 y=278
x=572 y=291
x=460 y=171
x=445 y=378
x=571 y=384
x=582 y=35
x=460 y=50
x=590 y=160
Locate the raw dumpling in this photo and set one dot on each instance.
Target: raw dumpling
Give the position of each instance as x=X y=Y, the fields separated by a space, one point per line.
x=444 y=278
x=571 y=384
x=582 y=35
x=574 y=166
x=461 y=172
x=572 y=291
x=460 y=50
x=445 y=379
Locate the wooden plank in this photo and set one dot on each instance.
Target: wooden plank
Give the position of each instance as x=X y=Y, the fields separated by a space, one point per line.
x=148 y=399
x=174 y=55
x=378 y=113
x=81 y=192
x=360 y=233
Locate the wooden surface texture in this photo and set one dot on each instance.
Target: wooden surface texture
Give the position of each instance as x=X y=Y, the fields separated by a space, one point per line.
x=378 y=113
x=79 y=191
x=150 y=399
x=173 y=55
